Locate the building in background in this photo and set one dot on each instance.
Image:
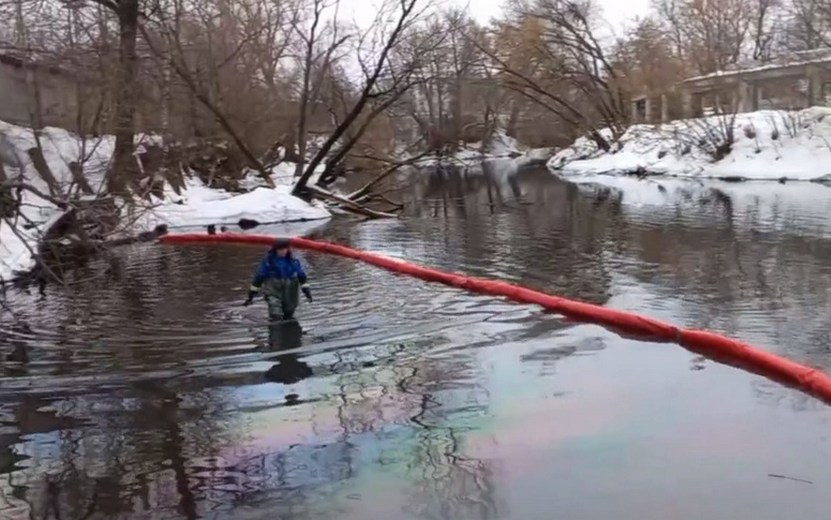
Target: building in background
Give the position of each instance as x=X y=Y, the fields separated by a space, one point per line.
x=35 y=94
x=790 y=82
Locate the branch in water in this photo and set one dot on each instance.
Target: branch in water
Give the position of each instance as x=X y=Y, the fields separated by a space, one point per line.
x=348 y=204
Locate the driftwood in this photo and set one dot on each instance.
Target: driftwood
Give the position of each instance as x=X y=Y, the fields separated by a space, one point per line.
x=348 y=204
x=364 y=191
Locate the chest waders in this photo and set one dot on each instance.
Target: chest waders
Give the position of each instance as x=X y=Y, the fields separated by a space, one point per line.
x=282 y=297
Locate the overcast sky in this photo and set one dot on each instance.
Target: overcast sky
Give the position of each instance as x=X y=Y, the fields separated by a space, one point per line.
x=616 y=12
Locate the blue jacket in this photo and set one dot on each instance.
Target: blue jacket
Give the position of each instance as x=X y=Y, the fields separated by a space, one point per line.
x=280 y=267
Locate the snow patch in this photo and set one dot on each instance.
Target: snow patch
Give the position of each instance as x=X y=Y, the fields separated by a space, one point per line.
x=198 y=205
x=769 y=145
x=14 y=252
x=281 y=174
x=500 y=146
x=202 y=206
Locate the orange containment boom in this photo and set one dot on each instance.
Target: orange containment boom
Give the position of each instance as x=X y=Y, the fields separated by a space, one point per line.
x=713 y=346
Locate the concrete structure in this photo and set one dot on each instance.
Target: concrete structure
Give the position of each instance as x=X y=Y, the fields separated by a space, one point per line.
x=794 y=81
x=24 y=85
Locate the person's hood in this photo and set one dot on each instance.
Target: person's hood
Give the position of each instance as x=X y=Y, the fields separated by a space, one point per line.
x=272 y=253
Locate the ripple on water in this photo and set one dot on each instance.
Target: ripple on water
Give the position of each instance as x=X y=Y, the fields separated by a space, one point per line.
x=145 y=382
x=167 y=314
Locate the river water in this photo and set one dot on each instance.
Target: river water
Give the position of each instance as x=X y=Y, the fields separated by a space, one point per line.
x=144 y=390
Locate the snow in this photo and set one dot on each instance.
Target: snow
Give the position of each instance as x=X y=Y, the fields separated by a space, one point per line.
x=500 y=146
x=202 y=206
x=60 y=148
x=281 y=174
x=769 y=145
x=799 y=59
x=540 y=154
x=197 y=206
x=14 y=252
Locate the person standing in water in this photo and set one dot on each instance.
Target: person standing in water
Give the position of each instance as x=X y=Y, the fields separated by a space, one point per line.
x=280 y=278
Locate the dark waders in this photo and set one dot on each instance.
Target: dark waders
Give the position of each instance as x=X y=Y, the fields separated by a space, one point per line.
x=282 y=297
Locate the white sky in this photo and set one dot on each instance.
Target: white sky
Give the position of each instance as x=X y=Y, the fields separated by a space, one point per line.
x=618 y=13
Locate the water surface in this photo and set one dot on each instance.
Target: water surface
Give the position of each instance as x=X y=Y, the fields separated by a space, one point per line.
x=144 y=390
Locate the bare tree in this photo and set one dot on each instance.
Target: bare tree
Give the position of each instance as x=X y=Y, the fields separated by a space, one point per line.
x=549 y=53
x=712 y=35
x=459 y=97
x=382 y=85
x=766 y=21
x=647 y=59
x=123 y=173
x=232 y=60
x=807 y=24
x=316 y=62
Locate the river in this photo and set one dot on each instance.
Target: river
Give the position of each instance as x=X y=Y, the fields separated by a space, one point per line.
x=143 y=389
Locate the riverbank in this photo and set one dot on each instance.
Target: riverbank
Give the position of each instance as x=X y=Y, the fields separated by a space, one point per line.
x=766 y=145
x=499 y=147
x=194 y=206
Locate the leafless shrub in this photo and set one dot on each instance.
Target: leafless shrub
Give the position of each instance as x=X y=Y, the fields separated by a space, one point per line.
x=713 y=135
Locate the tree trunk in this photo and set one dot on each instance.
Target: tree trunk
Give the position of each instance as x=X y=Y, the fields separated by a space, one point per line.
x=511 y=129
x=304 y=95
x=458 y=123
x=45 y=173
x=355 y=136
x=123 y=172
x=78 y=178
x=365 y=95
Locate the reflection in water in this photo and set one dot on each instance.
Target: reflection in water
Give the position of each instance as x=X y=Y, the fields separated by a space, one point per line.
x=289 y=369
x=139 y=390
x=450 y=484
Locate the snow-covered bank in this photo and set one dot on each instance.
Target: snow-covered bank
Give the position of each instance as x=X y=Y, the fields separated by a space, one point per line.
x=499 y=147
x=769 y=145
x=197 y=205
x=60 y=148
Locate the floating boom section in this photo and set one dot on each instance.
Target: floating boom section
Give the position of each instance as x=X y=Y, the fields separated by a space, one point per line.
x=710 y=345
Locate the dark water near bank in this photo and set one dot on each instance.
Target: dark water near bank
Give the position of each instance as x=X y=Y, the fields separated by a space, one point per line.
x=144 y=390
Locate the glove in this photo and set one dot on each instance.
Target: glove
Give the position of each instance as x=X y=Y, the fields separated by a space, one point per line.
x=250 y=299
x=307 y=292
